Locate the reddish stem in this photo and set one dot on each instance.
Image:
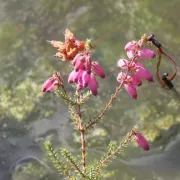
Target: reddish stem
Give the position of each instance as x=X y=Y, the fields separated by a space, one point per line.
x=110 y=101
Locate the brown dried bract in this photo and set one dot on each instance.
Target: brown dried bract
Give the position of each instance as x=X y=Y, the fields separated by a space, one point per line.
x=70 y=48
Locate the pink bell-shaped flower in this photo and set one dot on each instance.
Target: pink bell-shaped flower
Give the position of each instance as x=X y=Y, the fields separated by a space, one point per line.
x=93 y=84
x=141 y=141
x=98 y=69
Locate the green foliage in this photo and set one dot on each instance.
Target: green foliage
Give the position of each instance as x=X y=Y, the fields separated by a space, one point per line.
x=61 y=167
x=68 y=156
x=67 y=99
x=20 y=102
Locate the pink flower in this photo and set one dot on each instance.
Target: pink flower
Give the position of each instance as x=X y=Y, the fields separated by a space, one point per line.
x=130 y=54
x=137 y=68
x=123 y=63
x=83 y=73
x=131 y=45
x=88 y=62
x=143 y=73
x=85 y=78
x=134 y=51
x=74 y=76
x=47 y=84
x=53 y=82
x=93 y=84
x=128 y=84
x=79 y=84
x=141 y=141
x=136 y=80
x=146 y=54
x=98 y=69
x=78 y=62
x=131 y=90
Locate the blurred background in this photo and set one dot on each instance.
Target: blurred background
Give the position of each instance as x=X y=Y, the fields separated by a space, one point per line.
x=28 y=117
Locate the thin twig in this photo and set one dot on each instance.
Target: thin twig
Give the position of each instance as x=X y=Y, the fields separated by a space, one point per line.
x=113 y=97
x=123 y=144
x=83 y=148
x=82 y=131
x=74 y=164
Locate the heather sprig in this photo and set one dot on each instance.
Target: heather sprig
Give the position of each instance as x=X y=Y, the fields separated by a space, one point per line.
x=84 y=75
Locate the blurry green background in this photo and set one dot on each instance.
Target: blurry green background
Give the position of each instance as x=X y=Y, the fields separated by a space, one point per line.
x=28 y=117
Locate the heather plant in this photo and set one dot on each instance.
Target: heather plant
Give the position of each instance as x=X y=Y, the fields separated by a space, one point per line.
x=84 y=79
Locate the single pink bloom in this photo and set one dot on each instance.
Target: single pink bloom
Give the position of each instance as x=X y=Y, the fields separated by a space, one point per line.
x=56 y=83
x=128 y=84
x=71 y=77
x=131 y=90
x=130 y=45
x=88 y=62
x=78 y=62
x=93 y=84
x=137 y=68
x=85 y=78
x=79 y=65
x=143 y=73
x=76 y=58
x=146 y=54
x=98 y=69
x=78 y=75
x=136 y=80
x=79 y=84
x=52 y=87
x=141 y=141
x=74 y=76
x=123 y=63
x=47 y=84
x=130 y=54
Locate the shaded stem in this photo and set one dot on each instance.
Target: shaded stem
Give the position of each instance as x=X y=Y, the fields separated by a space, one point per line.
x=83 y=148
x=174 y=63
x=163 y=85
x=82 y=131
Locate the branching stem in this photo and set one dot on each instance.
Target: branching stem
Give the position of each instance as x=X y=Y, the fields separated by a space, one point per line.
x=113 y=97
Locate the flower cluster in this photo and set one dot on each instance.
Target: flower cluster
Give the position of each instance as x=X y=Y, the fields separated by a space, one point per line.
x=84 y=72
x=85 y=69
x=67 y=50
x=53 y=82
x=136 y=71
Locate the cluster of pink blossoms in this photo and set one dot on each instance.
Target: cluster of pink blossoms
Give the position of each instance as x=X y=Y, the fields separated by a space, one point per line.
x=85 y=69
x=84 y=72
x=51 y=83
x=136 y=71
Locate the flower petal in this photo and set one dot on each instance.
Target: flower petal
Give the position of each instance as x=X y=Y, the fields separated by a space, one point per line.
x=131 y=90
x=85 y=78
x=93 y=84
x=146 y=54
x=136 y=80
x=123 y=63
x=130 y=54
x=71 y=77
x=130 y=45
x=143 y=73
x=141 y=141
x=47 y=84
x=98 y=69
